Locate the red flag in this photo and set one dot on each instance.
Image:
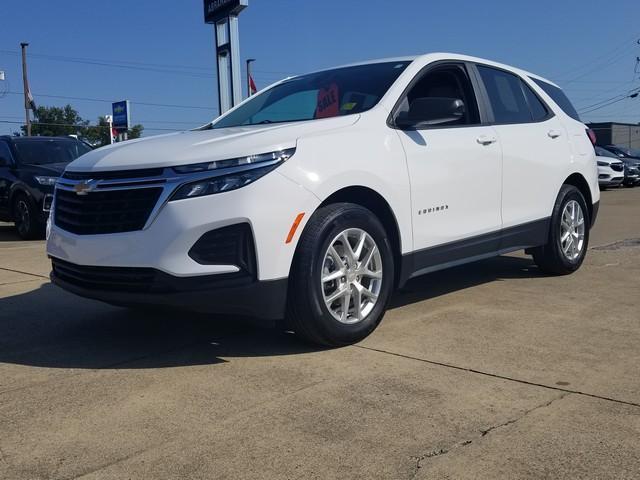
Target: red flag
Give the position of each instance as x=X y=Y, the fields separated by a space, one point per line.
x=252 y=86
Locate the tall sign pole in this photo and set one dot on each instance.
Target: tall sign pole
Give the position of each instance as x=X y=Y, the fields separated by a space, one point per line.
x=223 y=14
x=25 y=87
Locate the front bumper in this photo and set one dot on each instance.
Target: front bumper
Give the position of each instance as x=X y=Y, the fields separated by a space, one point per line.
x=132 y=287
x=269 y=205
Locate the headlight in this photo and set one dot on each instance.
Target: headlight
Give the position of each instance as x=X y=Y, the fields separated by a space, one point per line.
x=50 y=181
x=241 y=172
x=603 y=164
x=281 y=155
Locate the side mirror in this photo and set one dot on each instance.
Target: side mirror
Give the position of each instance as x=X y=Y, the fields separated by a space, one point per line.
x=428 y=111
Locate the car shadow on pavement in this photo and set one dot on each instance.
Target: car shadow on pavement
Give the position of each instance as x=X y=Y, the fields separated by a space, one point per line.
x=47 y=327
x=8 y=233
x=465 y=276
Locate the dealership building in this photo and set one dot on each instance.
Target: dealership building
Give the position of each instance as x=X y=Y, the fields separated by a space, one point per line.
x=612 y=133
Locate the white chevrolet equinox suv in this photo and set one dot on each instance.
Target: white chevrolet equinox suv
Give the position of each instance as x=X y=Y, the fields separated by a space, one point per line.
x=314 y=199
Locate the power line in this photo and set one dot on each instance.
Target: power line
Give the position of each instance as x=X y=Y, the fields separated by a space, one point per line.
x=624 y=45
x=80 y=125
x=103 y=100
x=189 y=70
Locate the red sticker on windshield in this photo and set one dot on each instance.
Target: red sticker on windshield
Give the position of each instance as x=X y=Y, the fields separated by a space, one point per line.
x=328 y=102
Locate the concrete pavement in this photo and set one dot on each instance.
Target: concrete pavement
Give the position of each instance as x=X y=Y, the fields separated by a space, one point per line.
x=490 y=370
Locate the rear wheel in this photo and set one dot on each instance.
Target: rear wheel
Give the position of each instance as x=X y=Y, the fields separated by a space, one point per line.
x=568 y=238
x=25 y=218
x=342 y=276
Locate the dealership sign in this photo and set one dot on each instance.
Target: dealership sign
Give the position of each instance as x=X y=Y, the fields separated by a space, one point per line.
x=121 y=115
x=215 y=10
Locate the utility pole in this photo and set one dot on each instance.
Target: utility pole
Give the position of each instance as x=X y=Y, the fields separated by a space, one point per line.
x=25 y=83
x=249 y=62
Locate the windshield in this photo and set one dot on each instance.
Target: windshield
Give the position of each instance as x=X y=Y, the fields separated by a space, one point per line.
x=43 y=152
x=331 y=93
x=603 y=152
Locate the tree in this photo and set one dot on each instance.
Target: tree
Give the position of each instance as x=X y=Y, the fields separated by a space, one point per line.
x=99 y=134
x=57 y=121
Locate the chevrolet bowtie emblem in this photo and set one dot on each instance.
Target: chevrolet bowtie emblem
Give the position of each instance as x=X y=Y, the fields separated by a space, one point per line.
x=84 y=188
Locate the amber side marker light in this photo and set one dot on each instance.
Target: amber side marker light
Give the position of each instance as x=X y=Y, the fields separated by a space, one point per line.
x=294 y=227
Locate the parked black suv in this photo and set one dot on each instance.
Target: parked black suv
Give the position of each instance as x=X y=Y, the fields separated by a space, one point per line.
x=29 y=169
x=631 y=159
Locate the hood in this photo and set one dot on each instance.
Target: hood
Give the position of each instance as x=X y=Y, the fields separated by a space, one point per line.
x=630 y=161
x=608 y=160
x=183 y=148
x=50 y=170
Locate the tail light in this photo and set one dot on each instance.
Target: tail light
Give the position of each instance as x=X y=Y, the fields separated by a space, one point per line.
x=592 y=136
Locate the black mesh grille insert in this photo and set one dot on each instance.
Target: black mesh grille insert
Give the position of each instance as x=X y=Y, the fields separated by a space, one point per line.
x=104 y=212
x=232 y=245
x=105 y=278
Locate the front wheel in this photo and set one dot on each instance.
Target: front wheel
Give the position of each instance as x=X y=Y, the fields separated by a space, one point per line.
x=25 y=218
x=568 y=238
x=342 y=276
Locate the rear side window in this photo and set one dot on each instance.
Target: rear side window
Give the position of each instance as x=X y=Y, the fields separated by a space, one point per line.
x=558 y=96
x=538 y=109
x=505 y=95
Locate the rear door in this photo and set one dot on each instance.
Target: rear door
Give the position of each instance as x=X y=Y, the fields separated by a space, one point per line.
x=455 y=172
x=535 y=150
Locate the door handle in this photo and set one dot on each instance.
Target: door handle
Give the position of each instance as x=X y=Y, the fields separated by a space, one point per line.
x=486 y=140
x=554 y=133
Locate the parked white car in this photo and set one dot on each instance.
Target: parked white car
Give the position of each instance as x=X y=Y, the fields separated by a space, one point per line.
x=610 y=168
x=314 y=199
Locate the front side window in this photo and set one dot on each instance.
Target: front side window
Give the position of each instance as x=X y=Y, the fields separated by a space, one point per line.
x=505 y=96
x=326 y=94
x=449 y=82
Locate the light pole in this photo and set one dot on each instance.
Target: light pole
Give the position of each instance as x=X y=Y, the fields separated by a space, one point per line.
x=25 y=84
x=249 y=89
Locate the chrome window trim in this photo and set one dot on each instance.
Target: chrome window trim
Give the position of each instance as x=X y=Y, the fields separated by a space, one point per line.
x=169 y=181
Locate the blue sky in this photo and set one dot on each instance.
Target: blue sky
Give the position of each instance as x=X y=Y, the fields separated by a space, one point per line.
x=167 y=50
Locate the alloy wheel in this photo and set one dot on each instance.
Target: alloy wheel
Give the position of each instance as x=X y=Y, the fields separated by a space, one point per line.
x=351 y=276
x=23 y=217
x=572 y=229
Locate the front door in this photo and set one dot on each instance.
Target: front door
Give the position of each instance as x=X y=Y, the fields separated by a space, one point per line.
x=455 y=172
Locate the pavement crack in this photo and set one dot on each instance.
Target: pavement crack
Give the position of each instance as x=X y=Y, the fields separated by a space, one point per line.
x=527 y=412
x=438 y=452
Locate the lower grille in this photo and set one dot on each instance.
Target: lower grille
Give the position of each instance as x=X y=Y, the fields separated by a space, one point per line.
x=105 y=278
x=105 y=212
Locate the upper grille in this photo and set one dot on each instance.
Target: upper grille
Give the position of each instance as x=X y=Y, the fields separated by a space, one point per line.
x=115 y=175
x=102 y=212
x=618 y=167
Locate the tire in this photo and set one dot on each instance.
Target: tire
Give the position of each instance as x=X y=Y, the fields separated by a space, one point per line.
x=560 y=256
x=25 y=218
x=309 y=314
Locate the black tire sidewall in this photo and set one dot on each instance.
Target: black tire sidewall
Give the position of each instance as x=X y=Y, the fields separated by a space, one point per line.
x=334 y=221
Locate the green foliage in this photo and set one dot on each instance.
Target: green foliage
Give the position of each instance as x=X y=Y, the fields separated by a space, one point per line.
x=56 y=121
x=61 y=121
